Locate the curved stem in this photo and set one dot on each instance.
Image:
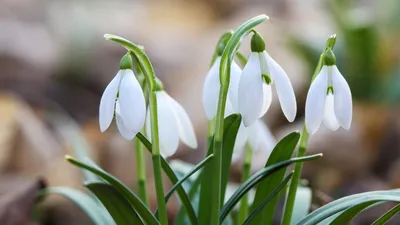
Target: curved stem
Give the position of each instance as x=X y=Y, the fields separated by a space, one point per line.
x=226 y=60
x=148 y=71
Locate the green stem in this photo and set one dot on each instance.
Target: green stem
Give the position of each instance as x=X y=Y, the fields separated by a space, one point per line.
x=295 y=179
x=244 y=202
x=157 y=160
x=141 y=172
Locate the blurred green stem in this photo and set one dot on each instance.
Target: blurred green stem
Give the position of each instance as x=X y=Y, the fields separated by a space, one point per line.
x=141 y=172
x=244 y=202
x=287 y=216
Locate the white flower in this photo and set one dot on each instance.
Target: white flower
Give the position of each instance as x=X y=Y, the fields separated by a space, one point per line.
x=257 y=135
x=129 y=106
x=329 y=100
x=173 y=124
x=254 y=94
x=212 y=85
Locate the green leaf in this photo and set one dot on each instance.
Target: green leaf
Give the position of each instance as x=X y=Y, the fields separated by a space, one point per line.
x=183 y=179
x=256 y=178
x=231 y=126
x=346 y=216
x=387 y=216
x=282 y=151
x=133 y=200
x=342 y=204
x=270 y=196
x=94 y=211
x=115 y=203
x=174 y=179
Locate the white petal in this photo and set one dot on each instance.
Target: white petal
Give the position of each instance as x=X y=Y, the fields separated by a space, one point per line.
x=250 y=99
x=211 y=90
x=342 y=97
x=329 y=116
x=267 y=99
x=167 y=126
x=107 y=103
x=240 y=142
x=131 y=101
x=234 y=85
x=185 y=127
x=261 y=138
x=283 y=88
x=228 y=109
x=315 y=102
x=123 y=130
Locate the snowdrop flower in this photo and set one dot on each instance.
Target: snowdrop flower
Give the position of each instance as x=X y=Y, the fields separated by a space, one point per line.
x=124 y=97
x=212 y=85
x=173 y=124
x=254 y=91
x=257 y=135
x=329 y=98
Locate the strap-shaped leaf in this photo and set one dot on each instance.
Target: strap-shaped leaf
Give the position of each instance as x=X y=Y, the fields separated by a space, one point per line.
x=183 y=179
x=115 y=203
x=97 y=214
x=344 y=203
x=131 y=197
x=282 y=151
x=346 y=216
x=256 y=178
x=174 y=179
x=231 y=127
x=271 y=195
x=387 y=216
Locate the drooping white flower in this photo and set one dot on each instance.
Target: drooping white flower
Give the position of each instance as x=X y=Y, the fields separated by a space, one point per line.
x=254 y=92
x=124 y=97
x=173 y=124
x=212 y=85
x=257 y=135
x=328 y=100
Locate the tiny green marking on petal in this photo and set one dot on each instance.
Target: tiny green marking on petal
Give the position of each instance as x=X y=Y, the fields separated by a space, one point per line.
x=330 y=89
x=266 y=78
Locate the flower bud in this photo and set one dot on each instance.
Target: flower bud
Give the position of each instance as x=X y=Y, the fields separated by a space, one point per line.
x=329 y=58
x=222 y=43
x=257 y=43
x=126 y=62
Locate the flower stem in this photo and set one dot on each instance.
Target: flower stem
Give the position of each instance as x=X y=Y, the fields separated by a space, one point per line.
x=287 y=217
x=141 y=172
x=157 y=160
x=244 y=203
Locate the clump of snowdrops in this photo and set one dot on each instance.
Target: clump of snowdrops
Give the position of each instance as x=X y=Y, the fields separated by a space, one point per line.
x=234 y=100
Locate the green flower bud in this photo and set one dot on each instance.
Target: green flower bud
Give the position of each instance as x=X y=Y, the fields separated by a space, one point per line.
x=126 y=62
x=329 y=58
x=257 y=43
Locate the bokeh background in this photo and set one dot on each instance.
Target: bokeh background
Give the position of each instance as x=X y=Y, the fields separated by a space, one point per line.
x=55 y=64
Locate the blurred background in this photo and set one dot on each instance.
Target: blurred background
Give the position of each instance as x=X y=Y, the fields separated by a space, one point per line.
x=55 y=64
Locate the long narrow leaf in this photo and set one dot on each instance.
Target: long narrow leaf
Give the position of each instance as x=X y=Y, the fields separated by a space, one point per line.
x=256 y=178
x=174 y=179
x=94 y=211
x=115 y=203
x=271 y=195
x=342 y=204
x=346 y=216
x=387 y=216
x=282 y=151
x=231 y=126
x=183 y=179
x=133 y=200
